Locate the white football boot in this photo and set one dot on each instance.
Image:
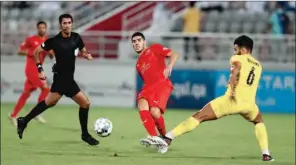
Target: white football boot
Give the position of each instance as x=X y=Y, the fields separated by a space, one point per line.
x=161 y=144
x=147 y=142
x=40 y=119
x=13 y=120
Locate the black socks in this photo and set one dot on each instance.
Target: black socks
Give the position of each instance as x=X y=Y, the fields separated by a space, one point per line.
x=83 y=118
x=41 y=107
x=37 y=110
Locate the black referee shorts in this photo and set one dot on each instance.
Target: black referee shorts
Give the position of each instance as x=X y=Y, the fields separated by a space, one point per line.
x=64 y=86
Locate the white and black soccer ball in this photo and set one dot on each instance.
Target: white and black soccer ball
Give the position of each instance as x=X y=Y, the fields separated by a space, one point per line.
x=103 y=127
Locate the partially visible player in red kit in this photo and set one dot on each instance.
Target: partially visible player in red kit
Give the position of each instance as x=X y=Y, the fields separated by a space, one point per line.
x=32 y=79
x=157 y=88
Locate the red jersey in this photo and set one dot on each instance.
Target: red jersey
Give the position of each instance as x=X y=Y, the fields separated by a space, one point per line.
x=30 y=44
x=151 y=64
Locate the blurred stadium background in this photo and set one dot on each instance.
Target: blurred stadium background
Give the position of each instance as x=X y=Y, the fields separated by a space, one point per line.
x=107 y=26
x=199 y=76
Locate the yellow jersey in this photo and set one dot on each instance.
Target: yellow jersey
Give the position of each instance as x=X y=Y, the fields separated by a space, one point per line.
x=191 y=20
x=249 y=78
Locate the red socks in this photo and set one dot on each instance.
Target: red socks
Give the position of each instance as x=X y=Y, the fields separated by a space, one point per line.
x=43 y=94
x=148 y=122
x=160 y=125
x=23 y=99
x=20 y=103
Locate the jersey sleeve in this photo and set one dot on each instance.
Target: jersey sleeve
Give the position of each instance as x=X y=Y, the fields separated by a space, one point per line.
x=25 y=44
x=234 y=58
x=161 y=50
x=80 y=42
x=48 y=44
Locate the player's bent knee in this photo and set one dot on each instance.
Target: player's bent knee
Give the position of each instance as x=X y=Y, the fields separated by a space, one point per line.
x=86 y=104
x=155 y=112
x=205 y=114
x=143 y=104
x=27 y=93
x=258 y=119
x=50 y=103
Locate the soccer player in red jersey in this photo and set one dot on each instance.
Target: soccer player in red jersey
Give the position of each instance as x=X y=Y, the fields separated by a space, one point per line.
x=153 y=97
x=32 y=79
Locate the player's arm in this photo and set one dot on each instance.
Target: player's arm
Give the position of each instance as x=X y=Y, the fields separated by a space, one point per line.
x=235 y=71
x=37 y=52
x=174 y=56
x=82 y=49
x=167 y=53
x=85 y=54
x=46 y=46
x=51 y=54
x=23 y=50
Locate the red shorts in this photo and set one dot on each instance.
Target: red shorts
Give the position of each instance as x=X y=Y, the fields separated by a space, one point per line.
x=33 y=82
x=157 y=95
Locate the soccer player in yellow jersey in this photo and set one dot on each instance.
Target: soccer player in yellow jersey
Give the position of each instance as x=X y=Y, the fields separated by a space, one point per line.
x=238 y=99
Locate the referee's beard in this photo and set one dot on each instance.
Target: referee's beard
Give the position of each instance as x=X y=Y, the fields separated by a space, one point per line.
x=66 y=31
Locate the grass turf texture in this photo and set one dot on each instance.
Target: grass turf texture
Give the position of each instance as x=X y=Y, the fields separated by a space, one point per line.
x=229 y=141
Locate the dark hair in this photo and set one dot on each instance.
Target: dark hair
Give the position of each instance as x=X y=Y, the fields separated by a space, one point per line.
x=244 y=41
x=138 y=34
x=65 y=16
x=192 y=3
x=41 y=22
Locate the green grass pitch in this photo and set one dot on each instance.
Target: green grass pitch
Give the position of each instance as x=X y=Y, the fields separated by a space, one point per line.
x=229 y=141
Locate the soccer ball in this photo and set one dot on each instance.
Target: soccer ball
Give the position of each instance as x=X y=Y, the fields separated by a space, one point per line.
x=103 y=127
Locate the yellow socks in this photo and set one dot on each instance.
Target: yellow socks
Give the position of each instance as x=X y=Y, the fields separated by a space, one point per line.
x=262 y=138
x=186 y=126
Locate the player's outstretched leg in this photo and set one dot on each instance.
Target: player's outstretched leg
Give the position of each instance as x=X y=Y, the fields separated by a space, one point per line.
x=159 y=120
x=19 y=105
x=146 y=117
x=261 y=135
x=84 y=104
x=50 y=101
x=147 y=121
x=42 y=96
x=205 y=114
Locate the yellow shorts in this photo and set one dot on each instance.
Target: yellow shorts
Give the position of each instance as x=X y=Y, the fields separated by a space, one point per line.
x=223 y=106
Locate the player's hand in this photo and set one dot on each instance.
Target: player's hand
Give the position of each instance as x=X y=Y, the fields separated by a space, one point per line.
x=42 y=76
x=88 y=56
x=23 y=53
x=167 y=71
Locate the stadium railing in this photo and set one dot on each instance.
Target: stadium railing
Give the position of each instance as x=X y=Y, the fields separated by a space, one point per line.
x=133 y=20
x=212 y=46
x=93 y=10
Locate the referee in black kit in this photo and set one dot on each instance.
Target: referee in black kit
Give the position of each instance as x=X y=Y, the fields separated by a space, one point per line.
x=66 y=46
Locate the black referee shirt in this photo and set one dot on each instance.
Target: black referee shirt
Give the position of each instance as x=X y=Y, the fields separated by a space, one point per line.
x=65 y=50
